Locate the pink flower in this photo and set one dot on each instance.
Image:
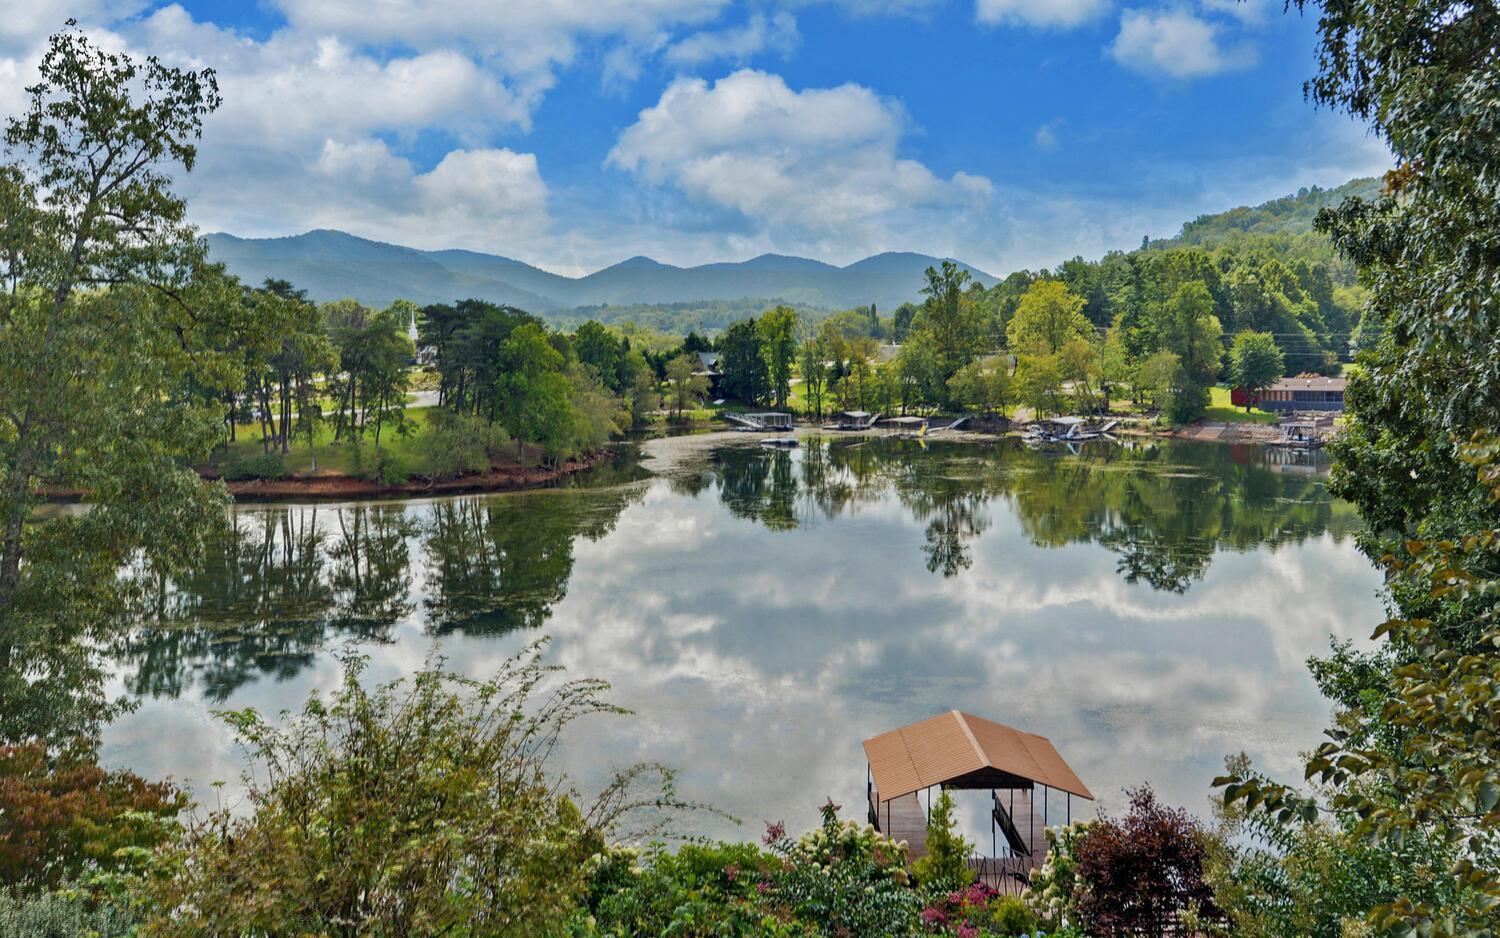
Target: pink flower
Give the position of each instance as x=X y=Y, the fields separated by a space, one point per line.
x=731 y=871
x=774 y=832
x=968 y=931
x=934 y=916
x=762 y=887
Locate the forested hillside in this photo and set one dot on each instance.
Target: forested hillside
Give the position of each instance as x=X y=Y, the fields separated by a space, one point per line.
x=1264 y=267
x=1289 y=219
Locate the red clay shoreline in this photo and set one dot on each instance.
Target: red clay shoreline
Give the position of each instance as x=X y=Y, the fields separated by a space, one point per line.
x=338 y=486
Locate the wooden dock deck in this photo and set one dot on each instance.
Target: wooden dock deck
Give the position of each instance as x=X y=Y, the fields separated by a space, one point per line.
x=905 y=818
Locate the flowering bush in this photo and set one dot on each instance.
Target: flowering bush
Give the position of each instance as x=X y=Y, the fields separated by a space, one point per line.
x=837 y=841
x=845 y=877
x=978 y=910
x=1054 y=886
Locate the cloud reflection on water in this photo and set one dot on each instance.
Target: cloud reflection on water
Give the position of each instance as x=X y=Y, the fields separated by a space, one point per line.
x=764 y=612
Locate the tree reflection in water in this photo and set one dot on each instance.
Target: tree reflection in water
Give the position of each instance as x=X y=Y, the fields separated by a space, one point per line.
x=1165 y=508
x=290 y=581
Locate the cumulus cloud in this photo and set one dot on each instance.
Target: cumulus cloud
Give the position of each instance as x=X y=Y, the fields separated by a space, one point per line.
x=1046 y=135
x=520 y=38
x=776 y=33
x=24 y=23
x=1176 y=44
x=822 y=159
x=1042 y=14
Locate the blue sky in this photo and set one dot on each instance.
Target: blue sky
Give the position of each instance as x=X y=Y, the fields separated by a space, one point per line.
x=575 y=133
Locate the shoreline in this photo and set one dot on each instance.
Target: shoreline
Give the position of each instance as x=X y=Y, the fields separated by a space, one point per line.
x=337 y=486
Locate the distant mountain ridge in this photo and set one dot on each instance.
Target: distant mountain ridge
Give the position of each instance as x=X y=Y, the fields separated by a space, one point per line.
x=333 y=265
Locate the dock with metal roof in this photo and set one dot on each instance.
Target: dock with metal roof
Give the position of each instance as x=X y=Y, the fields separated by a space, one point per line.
x=1023 y=773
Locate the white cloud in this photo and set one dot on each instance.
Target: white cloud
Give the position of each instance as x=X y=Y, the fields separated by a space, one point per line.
x=489 y=187
x=519 y=37
x=818 y=161
x=24 y=23
x=777 y=33
x=1177 y=44
x=1249 y=12
x=1042 y=14
x=1046 y=135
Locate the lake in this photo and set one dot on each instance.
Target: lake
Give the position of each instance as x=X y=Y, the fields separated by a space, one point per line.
x=1149 y=607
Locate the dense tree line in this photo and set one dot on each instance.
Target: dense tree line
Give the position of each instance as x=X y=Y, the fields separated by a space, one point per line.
x=501 y=365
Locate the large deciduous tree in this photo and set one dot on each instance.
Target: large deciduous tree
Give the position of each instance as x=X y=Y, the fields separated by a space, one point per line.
x=951 y=322
x=778 y=342
x=1254 y=362
x=743 y=363
x=108 y=308
x=1191 y=331
x=1047 y=318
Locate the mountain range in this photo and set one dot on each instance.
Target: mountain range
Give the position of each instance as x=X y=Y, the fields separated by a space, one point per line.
x=333 y=265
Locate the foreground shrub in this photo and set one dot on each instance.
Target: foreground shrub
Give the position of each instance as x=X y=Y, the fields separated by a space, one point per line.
x=1142 y=874
x=62 y=915
x=420 y=807
x=713 y=889
x=844 y=878
x=1320 y=878
x=459 y=444
x=63 y=816
x=259 y=466
x=387 y=469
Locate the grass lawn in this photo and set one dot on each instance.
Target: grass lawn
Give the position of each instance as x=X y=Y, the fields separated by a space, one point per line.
x=1220 y=410
x=337 y=456
x=409 y=450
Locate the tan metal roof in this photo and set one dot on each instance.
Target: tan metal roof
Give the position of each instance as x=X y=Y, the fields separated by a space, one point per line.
x=1310 y=384
x=951 y=745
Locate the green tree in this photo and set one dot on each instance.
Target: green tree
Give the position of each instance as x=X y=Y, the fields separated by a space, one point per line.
x=1079 y=362
x=947 y=859
x=1255 y=362
x=536 y=400
x=778 y=343
x=1191 y=331
x=743 y=363
x=1157 y=378
x=983 y=383
x=596 y=347
x=951 y=322
x=1038 y=384
x=684 y=383
x=643 y=397
x=1047 y=317
x=813 y=364
x=109 y=308
x=1412 y=755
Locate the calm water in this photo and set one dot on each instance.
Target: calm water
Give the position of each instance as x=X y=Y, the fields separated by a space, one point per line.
x=1149 y=608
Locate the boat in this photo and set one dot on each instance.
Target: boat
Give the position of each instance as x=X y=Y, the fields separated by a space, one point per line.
x=780 y=442
x=1300 y=434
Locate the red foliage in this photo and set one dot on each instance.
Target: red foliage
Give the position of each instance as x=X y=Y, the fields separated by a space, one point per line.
x=1142 y=871
x=62 y=813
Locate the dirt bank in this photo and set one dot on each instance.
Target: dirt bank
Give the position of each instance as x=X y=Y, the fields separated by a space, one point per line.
x=333 y=485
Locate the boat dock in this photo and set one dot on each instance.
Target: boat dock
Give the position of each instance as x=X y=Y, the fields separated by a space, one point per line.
x=961 y=752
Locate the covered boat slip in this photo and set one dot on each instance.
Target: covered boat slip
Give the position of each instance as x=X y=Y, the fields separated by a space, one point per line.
x=1022 y=771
